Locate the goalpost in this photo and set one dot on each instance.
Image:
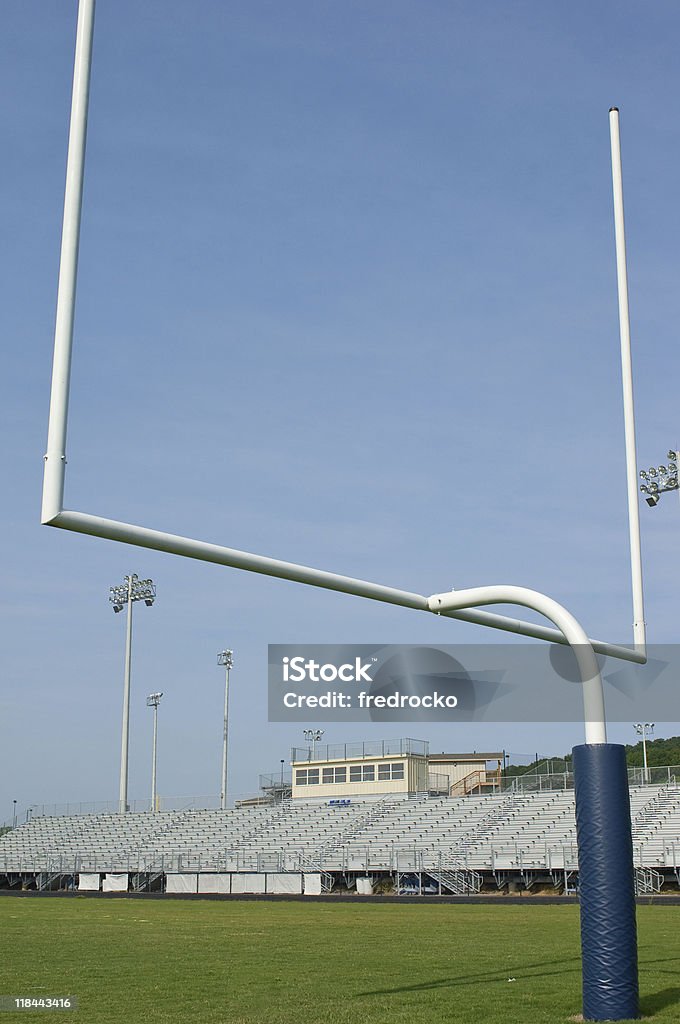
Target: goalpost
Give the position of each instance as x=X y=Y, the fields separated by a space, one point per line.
x=606 y=875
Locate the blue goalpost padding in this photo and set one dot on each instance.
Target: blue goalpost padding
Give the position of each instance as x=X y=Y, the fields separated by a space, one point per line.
x=606 y=883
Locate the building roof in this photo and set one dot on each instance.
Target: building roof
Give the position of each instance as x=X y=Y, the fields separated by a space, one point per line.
x=494 y=755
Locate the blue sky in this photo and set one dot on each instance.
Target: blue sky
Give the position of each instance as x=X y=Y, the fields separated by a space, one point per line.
x=347 y=297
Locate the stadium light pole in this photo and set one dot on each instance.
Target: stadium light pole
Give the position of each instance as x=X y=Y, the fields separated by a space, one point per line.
x=125 y=594
x=14 y=809
x=152 y=701
x=226 y=659
x=642 y=728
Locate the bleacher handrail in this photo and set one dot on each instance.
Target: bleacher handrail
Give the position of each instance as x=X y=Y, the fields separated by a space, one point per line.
x=663 y=775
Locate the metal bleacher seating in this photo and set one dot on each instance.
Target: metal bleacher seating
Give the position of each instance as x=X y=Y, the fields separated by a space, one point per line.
x=529 y=831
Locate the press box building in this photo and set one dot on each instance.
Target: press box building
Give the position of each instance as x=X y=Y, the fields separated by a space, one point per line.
x=379 y=768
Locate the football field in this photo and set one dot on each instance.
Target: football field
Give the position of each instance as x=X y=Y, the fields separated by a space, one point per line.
x=299 y=963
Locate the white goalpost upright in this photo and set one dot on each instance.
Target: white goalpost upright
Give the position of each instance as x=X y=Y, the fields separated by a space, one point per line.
x=464 y=605
x=639 y=627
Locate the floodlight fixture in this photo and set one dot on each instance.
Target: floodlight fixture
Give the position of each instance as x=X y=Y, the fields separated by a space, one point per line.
x=660 y=479
x=132 y=589
x=313 y=736
x=226 y=658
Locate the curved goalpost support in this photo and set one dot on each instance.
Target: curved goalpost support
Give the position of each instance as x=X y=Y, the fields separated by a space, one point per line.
x=603 y=824
x=593 y=697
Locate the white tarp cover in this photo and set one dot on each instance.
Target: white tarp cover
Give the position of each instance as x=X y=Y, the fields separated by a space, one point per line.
x=115 y=883
x=364 y=887
x=313 y=885
x=244 y=882
x=88 y=882
x=279 y=882
x=181 y=883
x=214 y=883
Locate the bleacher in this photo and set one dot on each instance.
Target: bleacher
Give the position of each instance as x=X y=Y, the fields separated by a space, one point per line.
x=514 y=834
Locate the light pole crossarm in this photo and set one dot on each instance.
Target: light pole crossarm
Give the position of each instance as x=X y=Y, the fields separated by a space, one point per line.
x=573 y=632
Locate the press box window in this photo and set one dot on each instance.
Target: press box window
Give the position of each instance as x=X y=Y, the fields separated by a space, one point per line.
x=334 y=775
x=307 y=777
x=362 y=773
x=387 y=772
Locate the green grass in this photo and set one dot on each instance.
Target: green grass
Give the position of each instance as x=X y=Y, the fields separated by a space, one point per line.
x=295 y=963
